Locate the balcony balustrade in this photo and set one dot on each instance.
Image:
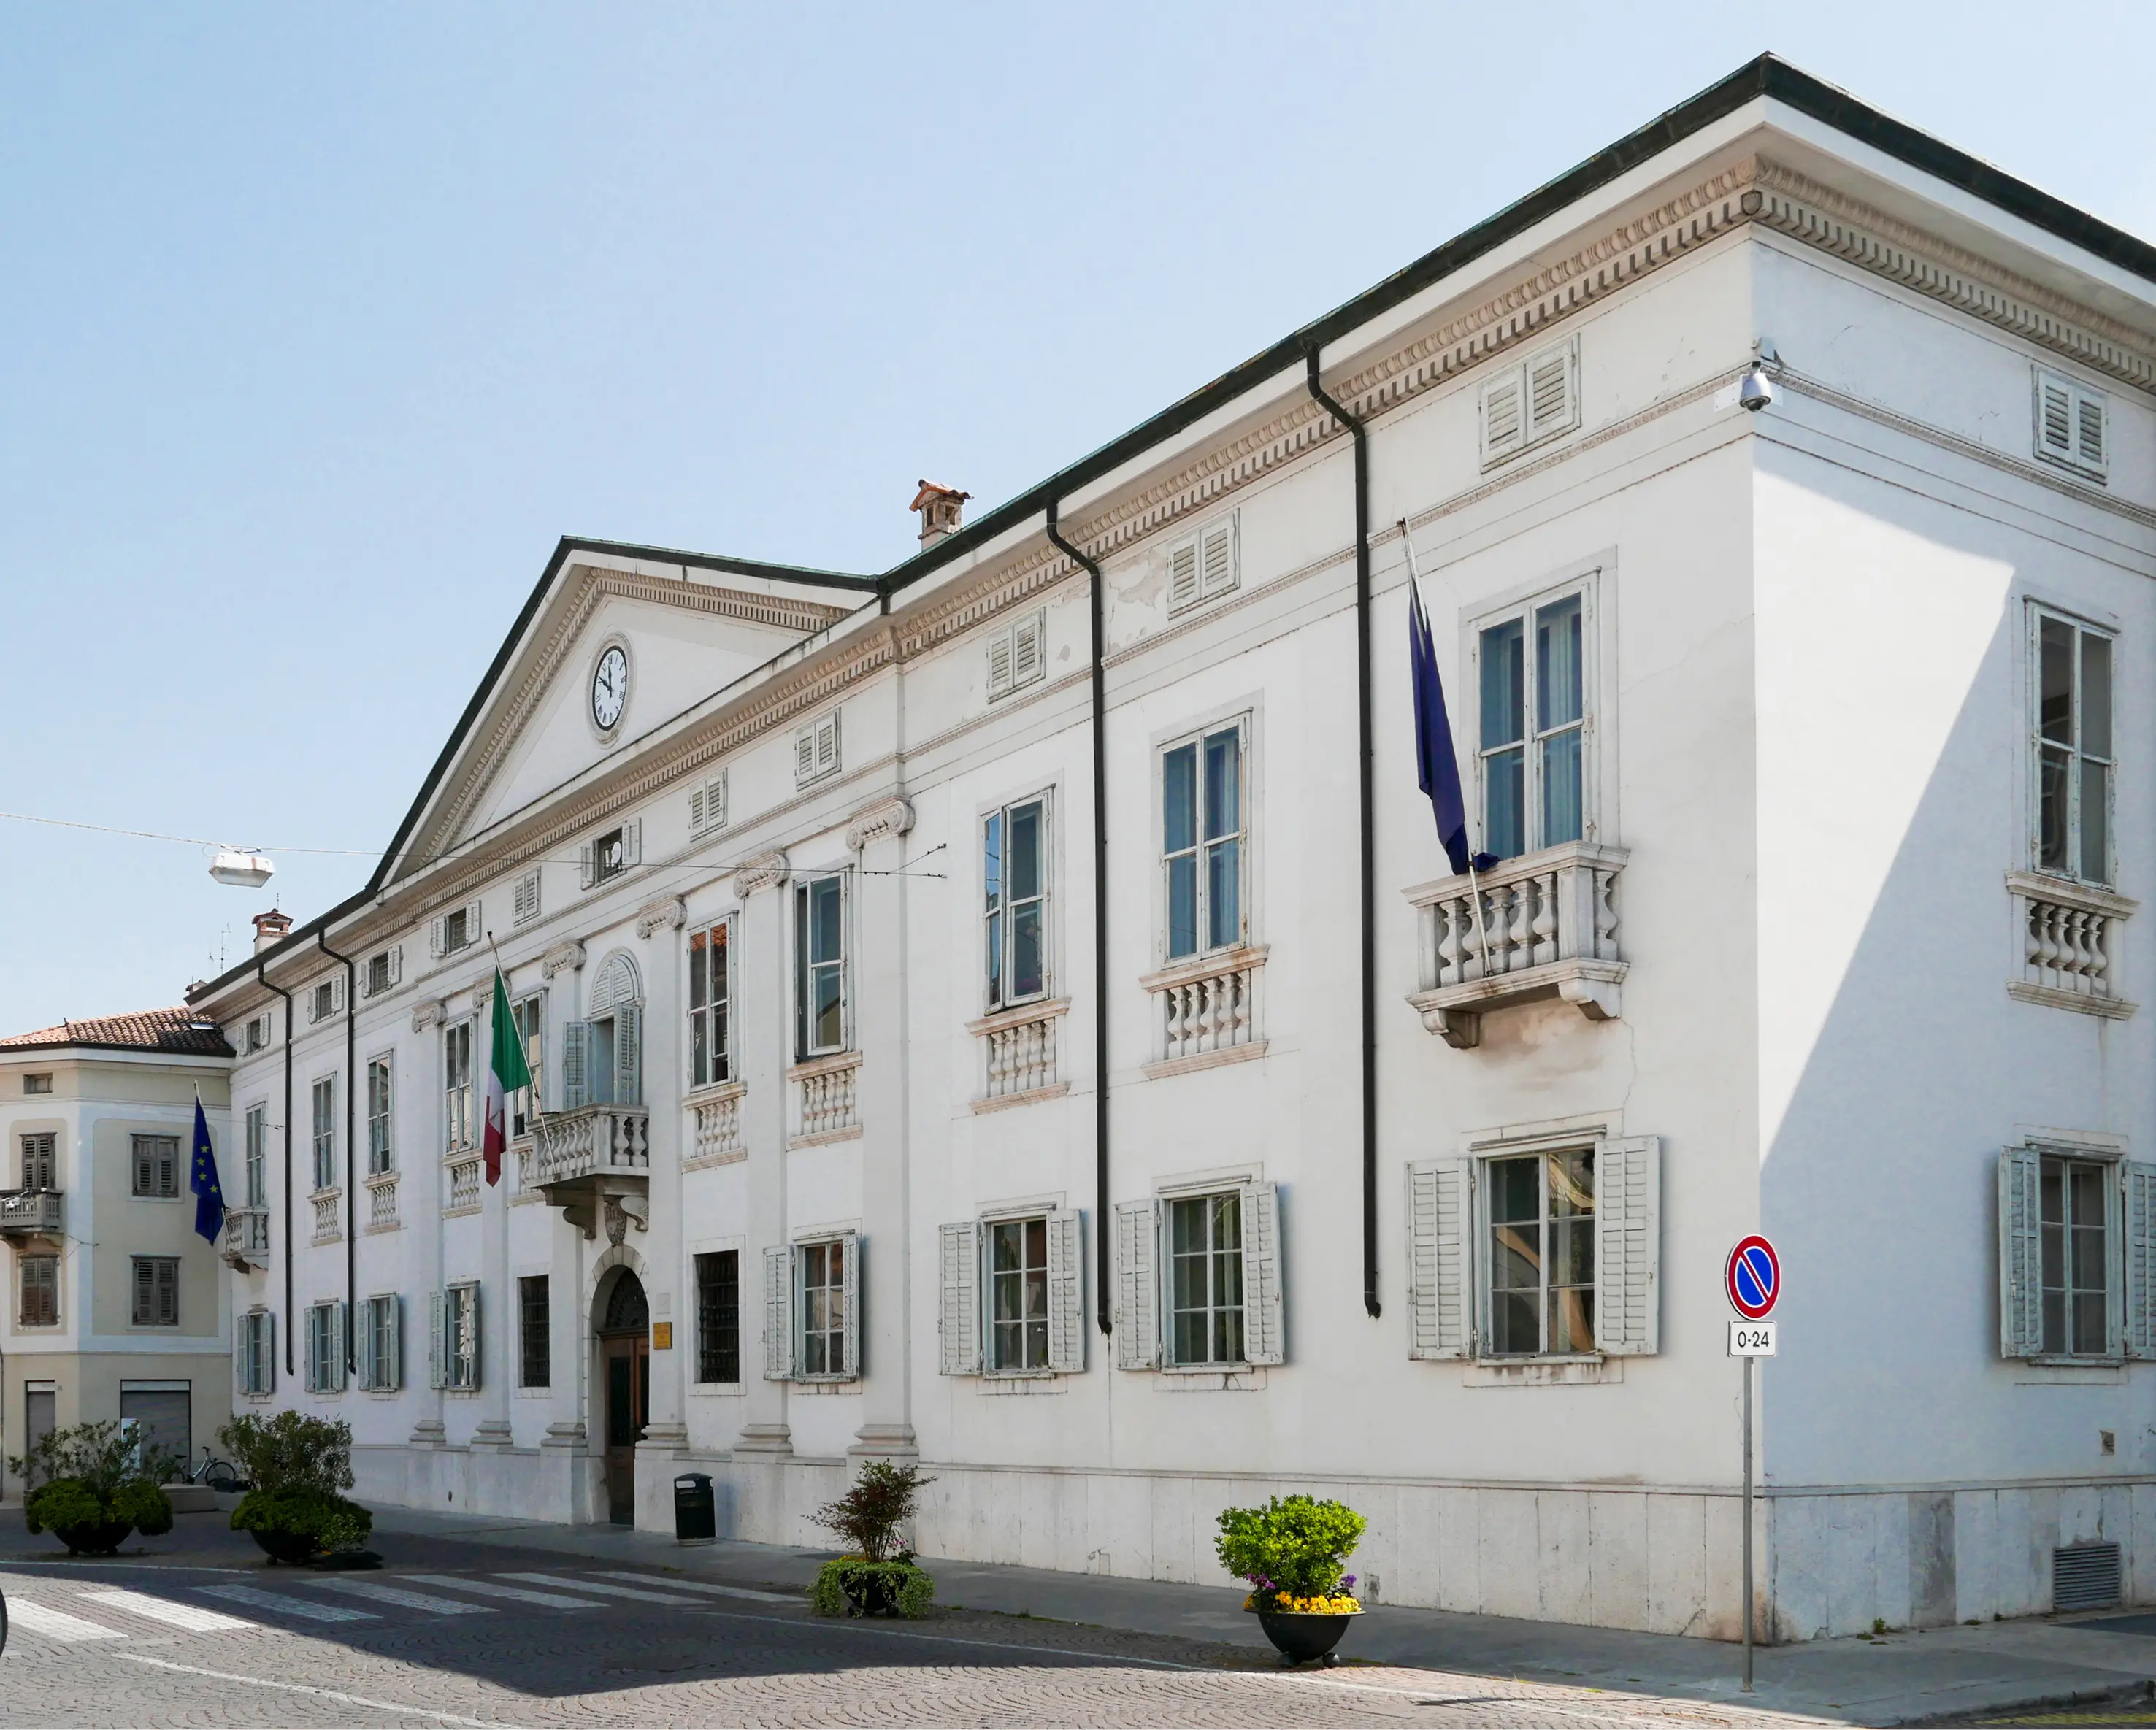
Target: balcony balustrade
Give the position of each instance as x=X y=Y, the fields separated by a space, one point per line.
x=1018 y=1051
x=2070 y=934
x=827 y=1106
x=1208 y=1008
x=594 y=1163
x=246 y=1238
x=1541 y=926
x=717 y=1135
x=32 y=1213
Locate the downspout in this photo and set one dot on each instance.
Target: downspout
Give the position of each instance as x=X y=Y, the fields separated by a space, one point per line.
x=1363 y=759
x=1104 y=1272
x=351 y=1181
x=262 y=975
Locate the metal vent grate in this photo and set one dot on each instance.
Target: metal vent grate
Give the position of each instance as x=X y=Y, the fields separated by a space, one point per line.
x=2085 y=1576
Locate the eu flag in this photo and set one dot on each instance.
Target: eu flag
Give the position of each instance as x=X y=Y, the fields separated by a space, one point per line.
x=1436 y=768
x=201 y=1179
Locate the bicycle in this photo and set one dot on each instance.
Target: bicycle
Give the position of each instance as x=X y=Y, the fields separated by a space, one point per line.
x=217 y=1475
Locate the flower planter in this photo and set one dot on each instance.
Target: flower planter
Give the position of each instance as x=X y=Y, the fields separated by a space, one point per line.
x=1300 y=1636
x=869 y=1594
x=102 y=1538
x=290 y=1548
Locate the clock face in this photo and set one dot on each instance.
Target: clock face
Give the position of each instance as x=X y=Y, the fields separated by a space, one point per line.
x=609 y=686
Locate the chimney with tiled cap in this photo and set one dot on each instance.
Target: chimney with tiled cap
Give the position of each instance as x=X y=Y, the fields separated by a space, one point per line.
x=940 y=508
x=270 y=929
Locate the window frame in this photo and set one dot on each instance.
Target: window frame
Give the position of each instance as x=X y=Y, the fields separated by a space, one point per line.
x=2108 y=1167
x=165 y=1176
x=381 y=1114
x=805 y=967
x=1215 y=1256
x=2080 y=398
x=1485 y=1261
x=535 y=1348
x=47 y=1153
x=460 y=1373
x=835 y=1288
x=381 y=1368
x=1241 y=722
x=718 y=1333
x=50 y=1282
x=2079 y=759
x=457 y=1095
x=1524 y=609
x=254 y=1154
x=1190 y=551
x=38 y=1084
x=321 y=1098
x=323 y=1351
x=527 y=1015
x=704 y=1009
x=256 y=1352
x=1028 y=1276
x=160 y=1285
x=997 y=943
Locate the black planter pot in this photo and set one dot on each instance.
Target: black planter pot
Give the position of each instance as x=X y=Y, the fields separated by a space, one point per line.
x=871 y=1595
x=103 y=1538
x=1300 y=1636
x=289 y=1547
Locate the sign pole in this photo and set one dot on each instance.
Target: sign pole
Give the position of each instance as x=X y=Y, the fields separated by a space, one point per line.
x=1747 y=1524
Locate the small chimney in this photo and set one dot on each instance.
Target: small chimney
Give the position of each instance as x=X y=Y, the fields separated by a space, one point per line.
x=270 y=929
x=940 y=508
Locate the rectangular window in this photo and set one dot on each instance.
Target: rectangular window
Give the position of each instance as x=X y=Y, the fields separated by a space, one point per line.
x=711 y=1006
x=257 y=1364
x=325 y=1136
x=1541 y=1254
x=819 y=969
x=816 y=750
x=322 y=1001
x=707 y=806
x=1534 y=726
x=256 y=1035
x=41 y=1162
x=1205 y=1278
x=824 y=1310
x=609 y=856
x=1529 y=401
x=1014 y=897
x=381 y=1346
x=1202 y=841
x=457 y=1085
x=325 y=1348
x=157 y=1290
x=536 y=1362
x=1018 y=1293
x=40 y=1299
x=718 y=1317
x=524 y=900
x=1016 y=656
x=2076 y=1258
x=38 y=1084
x=383 y=971
x=256 y=1156
x=381 y=1104
x=156 y=1164
x=528 y=1014
x=459 y=1337
x=2071 y=424
x=2073 y=741
x=1204 y=566
x=456 y=931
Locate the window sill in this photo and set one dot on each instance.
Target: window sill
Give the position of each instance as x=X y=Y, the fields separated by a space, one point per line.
x=716 y=1390
x=2069 y=1372
x=1162 y=1067
x=826 y=1384
x=375 y=1229
x=1037 y=1009
x=1542 y=1372
x=1023 y=1383
x=1191 y=967
x=829 y=1063
x=2051 y=997
x=1030 y=1095
x=1209 y=1378
x=824 y=1137
x=711 y=1161
x=712 y=1093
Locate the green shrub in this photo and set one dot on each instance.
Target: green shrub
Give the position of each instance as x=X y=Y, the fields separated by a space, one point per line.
x=103 y=1456
x=68 y=1506
x=326 y=1519
x=143 y=1507
x=897 y=1585
x=62 y=1504
x=290 y=1452
x=869 y=1516
x=1293 y=1546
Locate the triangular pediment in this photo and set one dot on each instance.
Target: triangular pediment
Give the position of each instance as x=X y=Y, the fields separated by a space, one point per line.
x=678 y=638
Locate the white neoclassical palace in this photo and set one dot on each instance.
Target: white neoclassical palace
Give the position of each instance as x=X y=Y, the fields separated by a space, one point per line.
x=1014 y=1011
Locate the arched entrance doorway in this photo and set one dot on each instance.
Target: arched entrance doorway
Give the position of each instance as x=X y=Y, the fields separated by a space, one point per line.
x=623 y=1322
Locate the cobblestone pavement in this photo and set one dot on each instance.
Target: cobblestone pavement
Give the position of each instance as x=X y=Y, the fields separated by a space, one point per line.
x=126 y=1645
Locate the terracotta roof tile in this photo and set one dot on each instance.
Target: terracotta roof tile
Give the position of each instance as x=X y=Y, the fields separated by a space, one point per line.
x=181 y=1030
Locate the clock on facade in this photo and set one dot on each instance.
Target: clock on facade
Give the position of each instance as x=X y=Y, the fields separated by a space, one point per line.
x=610 y=686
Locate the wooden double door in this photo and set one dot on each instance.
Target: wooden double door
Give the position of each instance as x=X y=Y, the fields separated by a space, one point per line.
x=625 y=1361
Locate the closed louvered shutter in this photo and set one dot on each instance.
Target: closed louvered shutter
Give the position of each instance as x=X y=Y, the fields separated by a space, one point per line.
x=576 y=1083
x=1628 y=1213
x=827 y=745
x=804 y=757
x=391 y=1365
x=629 y=1053
x=437 y=938
x=1265 y=1336
x=526 y=902
x=778 y=1343
x=1183 y=575
x=2020 y=1254
x=1137 y=1284
x=999 y=664
x=2140 y=1259
x=1503 y=419
x=958 y=1304
x=1028 y=649
x=438 y=1356
x=1066 y=1293
x=586 y=866
x=849 y=1246
x=1437 y=1239
x=1549 y=393
x=340 y=1318
x=1217 y=559
x=632 y=842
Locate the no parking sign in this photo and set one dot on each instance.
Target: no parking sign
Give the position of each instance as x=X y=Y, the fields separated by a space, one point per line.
x=1751 y=1280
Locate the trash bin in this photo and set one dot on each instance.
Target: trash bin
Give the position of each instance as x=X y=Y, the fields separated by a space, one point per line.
x=696 y=1510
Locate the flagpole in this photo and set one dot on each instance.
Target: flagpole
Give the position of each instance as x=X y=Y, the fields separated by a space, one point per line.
x=537 y=1110
x=1474 y=880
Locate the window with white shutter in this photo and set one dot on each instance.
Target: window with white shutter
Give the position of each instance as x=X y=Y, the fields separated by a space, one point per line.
x=1066 y=1293
x=2020 y=1255
x=1264 y=1334
x=524 y=900
x=576 y=1065
x=326 y=1000
x=1018 y=655
x=778 y=1343
x=458 y=1351
x=2140 y=1281
x=1439 y=1240
x=827 y=1343
x=958 y=1306
x=255 y=1359
x=384 y=970
x=2067 y=1249
x=325 y=1348
x=707 y=806
x=2072 y=424
x=1137 y=1284
x=1208 y=563
x=816 y=750
x=1527 y=401
x=1628 y=1207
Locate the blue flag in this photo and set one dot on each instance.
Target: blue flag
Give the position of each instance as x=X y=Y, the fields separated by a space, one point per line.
x=1436 y=768
x=201 y=1179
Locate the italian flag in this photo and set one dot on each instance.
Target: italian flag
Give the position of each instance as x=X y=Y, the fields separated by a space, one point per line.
x=506 y=1071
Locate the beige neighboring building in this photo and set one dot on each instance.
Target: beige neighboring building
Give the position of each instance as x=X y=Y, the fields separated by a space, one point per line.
x=116 y=1308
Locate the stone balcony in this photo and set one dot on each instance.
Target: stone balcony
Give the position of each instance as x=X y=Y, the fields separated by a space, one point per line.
x=1542 y=925
x=32 y=1213
x=246 y=1238
x=594 y=1163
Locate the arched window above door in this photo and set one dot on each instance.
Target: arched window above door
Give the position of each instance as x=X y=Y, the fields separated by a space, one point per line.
x=602 y=1056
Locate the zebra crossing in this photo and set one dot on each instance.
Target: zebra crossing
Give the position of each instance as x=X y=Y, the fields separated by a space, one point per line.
x=49 y=1613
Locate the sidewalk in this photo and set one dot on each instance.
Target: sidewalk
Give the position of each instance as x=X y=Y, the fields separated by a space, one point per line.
x=1949 y=1673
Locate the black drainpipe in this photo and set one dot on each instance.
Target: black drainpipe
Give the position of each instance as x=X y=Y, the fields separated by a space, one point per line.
x=1104 y=1311
x=1363 y=756
x=351 y=1185
x=262 y=974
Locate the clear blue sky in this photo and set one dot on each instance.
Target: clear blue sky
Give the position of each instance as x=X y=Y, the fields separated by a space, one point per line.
x=321 y=324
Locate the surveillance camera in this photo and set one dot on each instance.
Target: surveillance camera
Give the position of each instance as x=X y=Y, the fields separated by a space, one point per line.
x=1755 y=391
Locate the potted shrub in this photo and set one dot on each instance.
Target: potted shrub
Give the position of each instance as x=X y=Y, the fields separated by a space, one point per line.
x=92 y=1485
x=878 y=1576
x=1291 y=1551
x=297 y=1464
